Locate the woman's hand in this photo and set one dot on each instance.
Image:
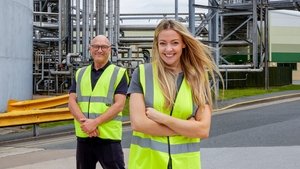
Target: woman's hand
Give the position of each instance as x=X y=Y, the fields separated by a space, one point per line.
x=155 y=115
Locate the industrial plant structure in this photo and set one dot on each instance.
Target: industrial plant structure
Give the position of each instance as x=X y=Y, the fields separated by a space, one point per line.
x=44 y=42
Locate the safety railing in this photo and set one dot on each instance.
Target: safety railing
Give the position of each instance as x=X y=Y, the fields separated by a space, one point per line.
x=35 y=112
x=37 y=104
x=16 y=118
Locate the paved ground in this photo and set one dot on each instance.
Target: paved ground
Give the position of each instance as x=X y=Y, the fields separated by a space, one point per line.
x=296 y=82
x=223 y=158
x=212 y=158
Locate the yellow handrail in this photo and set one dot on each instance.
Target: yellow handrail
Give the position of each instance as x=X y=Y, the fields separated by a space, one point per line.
x=36 y=104
x=16 y=118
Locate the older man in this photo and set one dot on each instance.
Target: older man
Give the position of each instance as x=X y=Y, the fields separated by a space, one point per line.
x=97 y=98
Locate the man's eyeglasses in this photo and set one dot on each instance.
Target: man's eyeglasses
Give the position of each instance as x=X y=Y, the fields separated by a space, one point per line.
x=102 y=47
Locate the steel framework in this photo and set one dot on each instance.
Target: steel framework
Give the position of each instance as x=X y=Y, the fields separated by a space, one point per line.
x=63 y=29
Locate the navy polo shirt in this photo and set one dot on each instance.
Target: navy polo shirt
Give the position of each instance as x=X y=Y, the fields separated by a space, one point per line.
x=95 y=75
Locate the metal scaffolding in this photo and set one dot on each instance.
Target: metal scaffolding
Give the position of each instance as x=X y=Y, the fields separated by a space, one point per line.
x=63 y=29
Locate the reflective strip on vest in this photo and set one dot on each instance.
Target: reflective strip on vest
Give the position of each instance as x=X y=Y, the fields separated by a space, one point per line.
x=149 y=86
x=95 y=115
x=78 y=91
x=163 y=147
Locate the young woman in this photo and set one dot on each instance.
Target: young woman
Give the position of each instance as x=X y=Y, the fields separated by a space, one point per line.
x=171 y=102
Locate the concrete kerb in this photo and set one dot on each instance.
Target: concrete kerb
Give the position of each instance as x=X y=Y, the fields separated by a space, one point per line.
x=262 y=100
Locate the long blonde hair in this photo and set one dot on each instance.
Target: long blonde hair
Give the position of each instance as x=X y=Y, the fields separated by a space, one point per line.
x=196 y=62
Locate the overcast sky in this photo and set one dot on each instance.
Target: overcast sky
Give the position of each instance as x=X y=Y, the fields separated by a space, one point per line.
x=154 y=6
x=158 y=6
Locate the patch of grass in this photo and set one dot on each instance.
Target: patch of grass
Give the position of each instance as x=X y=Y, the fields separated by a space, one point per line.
x=50 y=124
x=237 y=93
x=54 y=124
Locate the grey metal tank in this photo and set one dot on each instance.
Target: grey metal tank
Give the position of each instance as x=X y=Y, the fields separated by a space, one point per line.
x=15 y=50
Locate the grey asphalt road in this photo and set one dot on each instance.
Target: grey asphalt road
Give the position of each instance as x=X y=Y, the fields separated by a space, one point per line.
x=260 y=136
x=265 y=136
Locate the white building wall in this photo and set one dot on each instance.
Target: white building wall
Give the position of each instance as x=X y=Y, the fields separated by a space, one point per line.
x=285 y=34
x=15 y=51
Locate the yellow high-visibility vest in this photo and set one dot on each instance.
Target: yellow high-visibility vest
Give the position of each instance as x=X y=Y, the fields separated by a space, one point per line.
x=95 y=102
x=154 y=152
